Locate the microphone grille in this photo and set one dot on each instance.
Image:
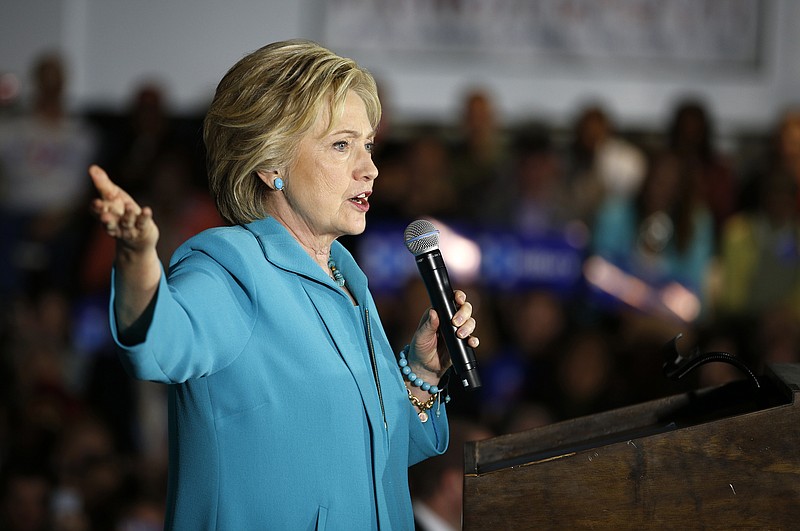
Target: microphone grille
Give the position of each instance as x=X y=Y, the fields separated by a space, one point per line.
x=421 y=236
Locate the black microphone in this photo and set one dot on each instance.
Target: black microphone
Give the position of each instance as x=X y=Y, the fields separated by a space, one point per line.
x=422 y=239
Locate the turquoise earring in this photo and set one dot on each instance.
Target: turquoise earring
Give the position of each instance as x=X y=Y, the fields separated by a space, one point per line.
x=278 y=183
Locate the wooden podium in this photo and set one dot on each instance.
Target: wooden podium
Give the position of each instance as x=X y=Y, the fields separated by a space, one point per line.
x=720 y=458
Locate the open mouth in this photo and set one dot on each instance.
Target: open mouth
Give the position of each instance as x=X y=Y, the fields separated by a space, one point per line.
x=360 y=199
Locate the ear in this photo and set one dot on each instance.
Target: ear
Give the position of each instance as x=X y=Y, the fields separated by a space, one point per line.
x=268 y=177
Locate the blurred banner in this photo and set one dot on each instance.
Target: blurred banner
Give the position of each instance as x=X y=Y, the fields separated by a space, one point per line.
x=494 y=258
x=673 y=32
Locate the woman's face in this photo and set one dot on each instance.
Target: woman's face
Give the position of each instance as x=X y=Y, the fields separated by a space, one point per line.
x=329 y=183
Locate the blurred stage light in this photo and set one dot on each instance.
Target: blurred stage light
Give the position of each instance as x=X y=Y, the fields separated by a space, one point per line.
x=461 y=254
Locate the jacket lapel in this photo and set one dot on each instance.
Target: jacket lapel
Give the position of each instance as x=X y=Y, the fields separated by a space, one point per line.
x=333 y=307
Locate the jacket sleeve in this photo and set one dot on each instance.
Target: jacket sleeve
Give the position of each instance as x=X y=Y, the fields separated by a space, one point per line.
x=428 y=438
x=202 y=316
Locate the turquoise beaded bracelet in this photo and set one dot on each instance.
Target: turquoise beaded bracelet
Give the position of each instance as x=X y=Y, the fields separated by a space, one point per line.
x=412 y=377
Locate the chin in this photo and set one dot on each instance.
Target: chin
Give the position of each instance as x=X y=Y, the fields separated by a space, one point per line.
x=354 y=229
x=357 y=231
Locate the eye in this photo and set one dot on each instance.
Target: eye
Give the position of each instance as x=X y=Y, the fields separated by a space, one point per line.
x=341 y=145
x=370 y=147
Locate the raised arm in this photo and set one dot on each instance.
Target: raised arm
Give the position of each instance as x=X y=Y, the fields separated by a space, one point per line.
x=138 y=268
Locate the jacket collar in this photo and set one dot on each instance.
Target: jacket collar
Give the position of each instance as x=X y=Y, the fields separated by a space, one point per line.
x=284 y=251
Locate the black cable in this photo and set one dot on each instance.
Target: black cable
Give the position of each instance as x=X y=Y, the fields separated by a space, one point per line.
x=676 y=366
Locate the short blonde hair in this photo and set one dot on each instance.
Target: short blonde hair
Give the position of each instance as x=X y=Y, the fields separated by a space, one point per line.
x=262 y=108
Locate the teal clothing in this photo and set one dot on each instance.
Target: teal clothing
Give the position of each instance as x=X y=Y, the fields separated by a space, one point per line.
x=616 y=238
x=275 y=418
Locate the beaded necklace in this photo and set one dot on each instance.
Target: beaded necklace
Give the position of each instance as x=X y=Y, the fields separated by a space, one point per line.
x=337 y=275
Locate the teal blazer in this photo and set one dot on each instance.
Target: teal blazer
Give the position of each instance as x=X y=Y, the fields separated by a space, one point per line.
x=276 y=420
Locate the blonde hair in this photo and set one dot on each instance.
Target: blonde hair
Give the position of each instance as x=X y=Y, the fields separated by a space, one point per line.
x=263 y=106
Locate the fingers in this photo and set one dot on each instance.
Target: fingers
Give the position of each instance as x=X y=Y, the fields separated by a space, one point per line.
x=463 y=316
x=460 y=297
x=102 y=181
x=426 y=339
x=130 y=218
x=463 y=319
x=115 y=208
x=467 y=328
x=131 y=223
x=473 y=342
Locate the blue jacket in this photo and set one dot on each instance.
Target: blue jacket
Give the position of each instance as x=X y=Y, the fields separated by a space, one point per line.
x=275 y=418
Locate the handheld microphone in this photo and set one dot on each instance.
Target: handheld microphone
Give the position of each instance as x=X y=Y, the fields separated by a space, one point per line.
x=422 y=239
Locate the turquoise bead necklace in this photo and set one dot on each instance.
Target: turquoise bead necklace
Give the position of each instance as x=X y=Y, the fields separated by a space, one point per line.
x=337 y=275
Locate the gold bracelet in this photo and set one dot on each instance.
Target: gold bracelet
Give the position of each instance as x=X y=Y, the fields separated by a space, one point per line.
x=422 y=406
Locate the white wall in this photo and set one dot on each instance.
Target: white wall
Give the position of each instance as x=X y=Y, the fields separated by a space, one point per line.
x=189 y=44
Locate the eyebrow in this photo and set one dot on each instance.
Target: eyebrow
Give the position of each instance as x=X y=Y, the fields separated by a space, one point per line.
x=352 y=132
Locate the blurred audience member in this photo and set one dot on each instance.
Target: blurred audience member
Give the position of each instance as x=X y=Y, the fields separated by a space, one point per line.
x=479 y=154
x=133 y=150
x=43 y=158
x=533 y=199
x=25 y=492
x=437 y=484
x=430 y=190
x=662 y=241
x=760 y=254
x=691 y=139
x=45 y=387
x=89 y=472
x=600 y=164
x=782 y=156
x=523 y=368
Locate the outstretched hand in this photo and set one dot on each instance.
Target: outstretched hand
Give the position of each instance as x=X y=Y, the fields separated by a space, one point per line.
x=137 y=263
x=122 y=217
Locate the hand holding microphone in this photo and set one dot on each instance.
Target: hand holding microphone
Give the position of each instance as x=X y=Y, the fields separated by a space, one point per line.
x=422 y=240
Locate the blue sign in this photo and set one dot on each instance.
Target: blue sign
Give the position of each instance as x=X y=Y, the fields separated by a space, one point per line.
x=505 y=260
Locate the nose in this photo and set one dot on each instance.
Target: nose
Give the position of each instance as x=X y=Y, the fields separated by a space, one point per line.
x=366 y=168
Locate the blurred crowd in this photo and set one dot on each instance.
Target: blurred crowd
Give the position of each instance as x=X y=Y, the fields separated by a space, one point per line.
x=676 y=236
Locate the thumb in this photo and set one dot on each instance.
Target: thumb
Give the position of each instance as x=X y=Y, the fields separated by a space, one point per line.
x=426 y=332
x=430 y=321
